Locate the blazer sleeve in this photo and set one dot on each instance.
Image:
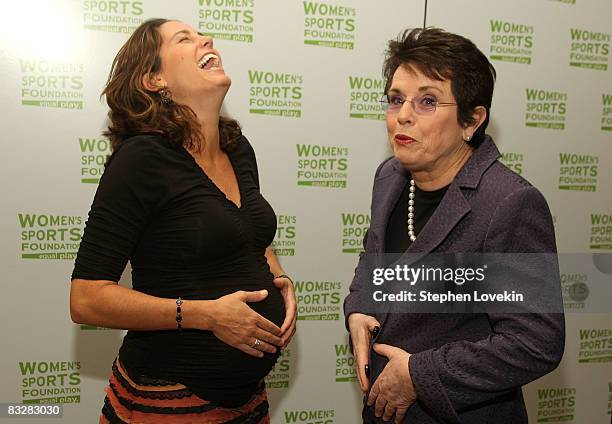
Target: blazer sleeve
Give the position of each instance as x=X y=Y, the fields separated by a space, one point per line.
x=522 y=346
x=354 y=300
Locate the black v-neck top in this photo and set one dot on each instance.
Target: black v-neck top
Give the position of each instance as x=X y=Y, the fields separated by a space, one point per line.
x=158 y=209
x=425 y=204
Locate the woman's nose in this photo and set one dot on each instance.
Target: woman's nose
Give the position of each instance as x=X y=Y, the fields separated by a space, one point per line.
x=207 y=41
x=406 y=113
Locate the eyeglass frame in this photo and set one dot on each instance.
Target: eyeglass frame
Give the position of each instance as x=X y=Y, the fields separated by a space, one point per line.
x=386 y=104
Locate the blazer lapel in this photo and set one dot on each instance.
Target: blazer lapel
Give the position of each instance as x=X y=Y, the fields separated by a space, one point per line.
x=453 y=207
x=388 y=204
x=383 y=202
x=447 y=215
x=449 y=212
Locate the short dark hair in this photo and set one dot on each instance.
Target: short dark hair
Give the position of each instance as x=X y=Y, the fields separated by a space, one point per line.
x=442 y=55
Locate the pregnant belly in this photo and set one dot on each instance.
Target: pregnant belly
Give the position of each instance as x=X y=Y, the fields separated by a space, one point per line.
x=201 y=288
x=272 y=307
x=232 y=361
x=198 y=358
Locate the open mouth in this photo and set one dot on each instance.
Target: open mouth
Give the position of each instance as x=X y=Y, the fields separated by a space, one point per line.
x=209 y=61
x=403 y=139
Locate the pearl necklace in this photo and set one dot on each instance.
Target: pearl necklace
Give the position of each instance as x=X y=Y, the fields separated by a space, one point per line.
x=411 y=212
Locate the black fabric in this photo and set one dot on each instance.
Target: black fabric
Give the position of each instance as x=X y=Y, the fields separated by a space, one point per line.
x=425 y=203
x=156 y=208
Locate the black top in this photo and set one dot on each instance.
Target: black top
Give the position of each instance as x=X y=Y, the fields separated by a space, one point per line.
x=156 y=208
x=425 y=203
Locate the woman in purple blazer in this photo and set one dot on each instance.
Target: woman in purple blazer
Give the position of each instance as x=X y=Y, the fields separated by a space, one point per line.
x=444 y=191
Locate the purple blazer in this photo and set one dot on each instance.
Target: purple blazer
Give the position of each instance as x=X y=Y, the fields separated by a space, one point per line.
x=467 y=368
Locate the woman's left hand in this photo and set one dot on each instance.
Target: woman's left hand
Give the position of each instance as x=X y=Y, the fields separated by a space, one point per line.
x=393 y=391
x=288 y=292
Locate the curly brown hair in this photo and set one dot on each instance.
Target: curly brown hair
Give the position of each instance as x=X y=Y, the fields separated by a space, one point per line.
x=135 y=110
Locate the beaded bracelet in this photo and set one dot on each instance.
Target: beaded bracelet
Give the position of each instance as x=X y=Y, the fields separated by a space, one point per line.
x=284 y=276
x=179 y=317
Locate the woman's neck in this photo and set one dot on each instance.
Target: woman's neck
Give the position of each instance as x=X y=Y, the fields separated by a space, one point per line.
x=207 y=112
x=443 y=173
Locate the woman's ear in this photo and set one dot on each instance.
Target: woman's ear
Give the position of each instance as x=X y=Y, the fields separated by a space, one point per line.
x=479 y=114
x=153 y=82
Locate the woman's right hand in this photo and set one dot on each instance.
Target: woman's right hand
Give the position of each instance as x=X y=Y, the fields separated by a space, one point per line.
x=361 y=327
x=235 y=323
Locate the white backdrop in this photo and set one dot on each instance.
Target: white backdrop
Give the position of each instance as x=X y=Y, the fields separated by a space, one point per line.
x=552 y=118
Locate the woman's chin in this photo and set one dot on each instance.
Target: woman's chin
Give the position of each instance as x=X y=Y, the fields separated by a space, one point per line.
x=404 y=158
x=220 y=78
x=225 y=80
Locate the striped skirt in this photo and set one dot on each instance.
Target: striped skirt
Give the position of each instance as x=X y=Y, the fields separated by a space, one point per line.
x=170 y=403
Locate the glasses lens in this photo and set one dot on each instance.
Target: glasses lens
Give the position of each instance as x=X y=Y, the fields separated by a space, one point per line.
x=424 y=105
x=395 y=102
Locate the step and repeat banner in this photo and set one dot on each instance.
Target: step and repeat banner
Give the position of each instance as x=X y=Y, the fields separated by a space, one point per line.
x=306 y=80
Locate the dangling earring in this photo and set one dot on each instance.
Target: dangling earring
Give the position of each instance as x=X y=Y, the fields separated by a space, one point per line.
x=165 y=95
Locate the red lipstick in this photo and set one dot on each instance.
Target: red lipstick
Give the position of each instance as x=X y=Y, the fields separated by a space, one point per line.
x=403 y=139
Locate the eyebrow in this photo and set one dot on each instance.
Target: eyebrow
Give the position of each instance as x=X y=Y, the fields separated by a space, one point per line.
x=184 y=31
x=421 y=89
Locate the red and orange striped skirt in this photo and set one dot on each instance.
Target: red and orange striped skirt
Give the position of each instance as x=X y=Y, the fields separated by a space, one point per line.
x=171 y=403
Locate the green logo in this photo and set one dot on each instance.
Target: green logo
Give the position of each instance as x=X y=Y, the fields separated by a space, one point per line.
x=511 y=42
x=49 y=236
x=566 y=1
x=354 y=228
x=589 y=49
x=313 y=416
x=281 y=372
x=556 y=404
x=345 y=364
x=284 y=241
x=318 y=300
x=601 y=231
x=514 y=161
x=365 y=94
x=51 y=84
x=322 y=166
x=87 y=327
x=606 y=114
x=112 y=15
x=94 y=153
x=227 y=19
x=575 y=290
x=595 y=345
x=50 y=382
x=329 y=25
x=545 y=109
x=275 y=94
x=578 y=172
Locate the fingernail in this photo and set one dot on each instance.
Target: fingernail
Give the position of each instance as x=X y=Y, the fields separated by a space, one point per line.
x=366 y=368
x=375 y=331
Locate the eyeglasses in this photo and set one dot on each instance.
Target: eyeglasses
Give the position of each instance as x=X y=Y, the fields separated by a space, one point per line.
x=422 y=105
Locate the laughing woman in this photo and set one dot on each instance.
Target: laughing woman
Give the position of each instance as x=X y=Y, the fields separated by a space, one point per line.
x=210 y=306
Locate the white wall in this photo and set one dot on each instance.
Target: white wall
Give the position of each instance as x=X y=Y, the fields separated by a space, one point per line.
x=54 y=46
